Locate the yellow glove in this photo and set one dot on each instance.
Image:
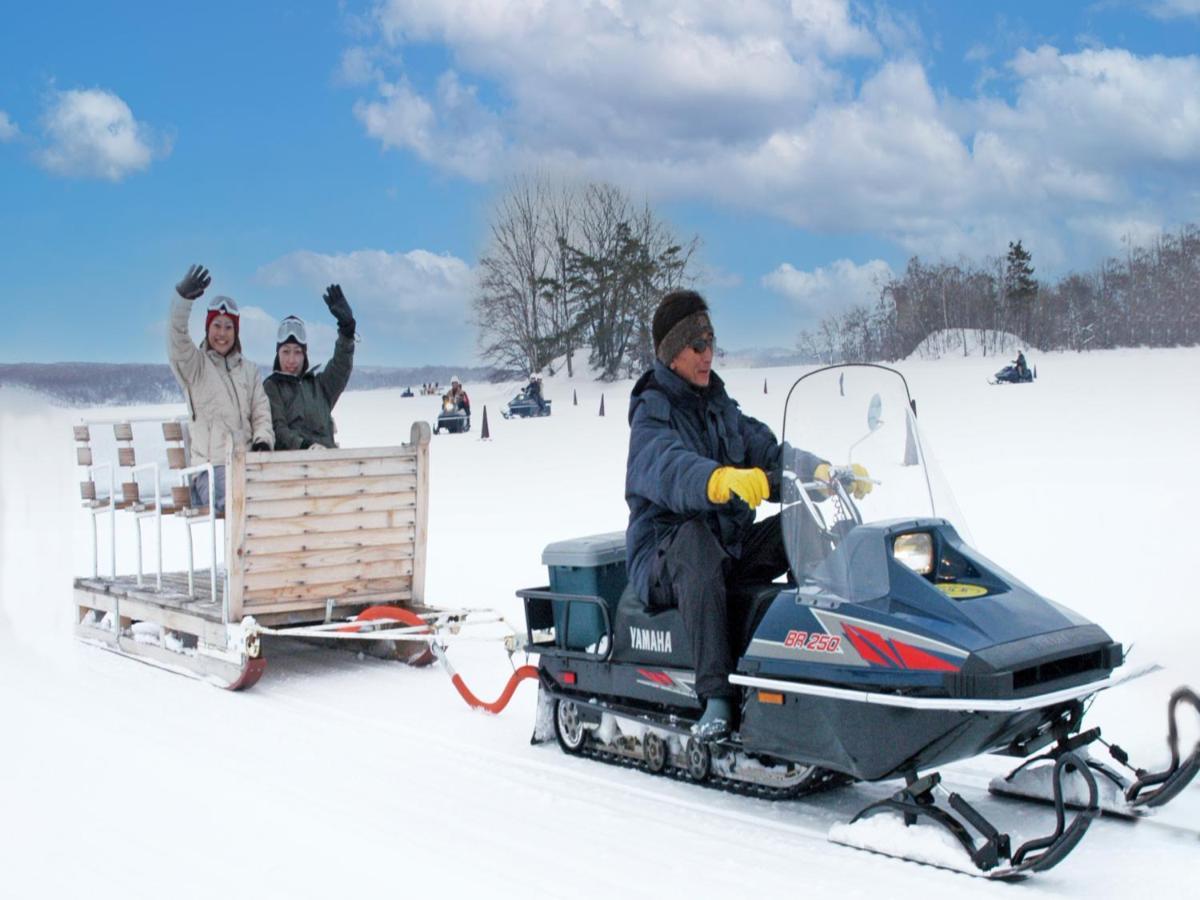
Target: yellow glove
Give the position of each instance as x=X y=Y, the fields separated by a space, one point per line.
x=749 y=484
x=861 y=485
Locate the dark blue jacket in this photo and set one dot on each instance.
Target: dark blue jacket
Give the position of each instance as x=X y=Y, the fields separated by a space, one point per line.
x=678 y=435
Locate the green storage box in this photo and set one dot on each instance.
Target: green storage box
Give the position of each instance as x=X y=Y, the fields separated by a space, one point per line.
x=593 y=566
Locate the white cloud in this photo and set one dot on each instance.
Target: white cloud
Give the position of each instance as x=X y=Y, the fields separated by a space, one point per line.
x=763 y=106
x=93 y=134
x=8 y=128
x=831 y=289
x=392 y=285
x=1173 y=9
x=452 y=130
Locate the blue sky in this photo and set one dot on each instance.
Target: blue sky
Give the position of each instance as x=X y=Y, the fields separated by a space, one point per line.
x=813 y=146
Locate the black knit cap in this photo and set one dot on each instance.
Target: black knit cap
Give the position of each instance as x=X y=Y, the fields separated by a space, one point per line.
x=673 y=309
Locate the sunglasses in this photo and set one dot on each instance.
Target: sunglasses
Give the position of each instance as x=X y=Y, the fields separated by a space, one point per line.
x=223 y=305
x=293 y=328
x=702 y=344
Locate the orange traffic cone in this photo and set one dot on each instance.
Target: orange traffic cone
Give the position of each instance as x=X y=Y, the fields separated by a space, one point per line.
x=574 y=398
x=601 y=404
x=764 y=385
x=483 y=432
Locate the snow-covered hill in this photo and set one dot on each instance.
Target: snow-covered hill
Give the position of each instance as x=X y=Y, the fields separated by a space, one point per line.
x=343 y=777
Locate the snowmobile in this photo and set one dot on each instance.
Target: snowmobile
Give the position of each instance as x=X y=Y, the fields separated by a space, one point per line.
x=893 y=648
x=452 y=418
x=525 y=405
x=1010 y=374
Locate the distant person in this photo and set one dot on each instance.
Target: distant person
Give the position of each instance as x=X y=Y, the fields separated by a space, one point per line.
x=224 y=390
x=534 y=391
x=302 y=398
x=457 y=396
x=1022 y=368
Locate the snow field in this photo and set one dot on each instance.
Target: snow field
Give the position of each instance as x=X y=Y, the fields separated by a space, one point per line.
x=336 y=775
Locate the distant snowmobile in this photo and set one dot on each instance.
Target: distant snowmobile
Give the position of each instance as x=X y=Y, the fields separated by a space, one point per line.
x=1016 y=372
x=525 y=405
x=453 y=418
x=894 y=648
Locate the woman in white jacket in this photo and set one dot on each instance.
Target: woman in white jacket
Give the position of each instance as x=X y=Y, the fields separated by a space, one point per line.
x=224 y=390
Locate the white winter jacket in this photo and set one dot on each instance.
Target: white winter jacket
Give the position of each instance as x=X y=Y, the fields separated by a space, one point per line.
x=224 y=394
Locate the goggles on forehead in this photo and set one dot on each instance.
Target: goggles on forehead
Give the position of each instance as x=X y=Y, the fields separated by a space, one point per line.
x=701 y=344
x=292 y=328
x=224 y=305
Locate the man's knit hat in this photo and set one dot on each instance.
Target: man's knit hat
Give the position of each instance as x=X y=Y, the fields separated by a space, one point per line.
x=681 y=317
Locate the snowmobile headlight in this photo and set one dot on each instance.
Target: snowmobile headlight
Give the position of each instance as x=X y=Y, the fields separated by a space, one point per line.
x=915 y=550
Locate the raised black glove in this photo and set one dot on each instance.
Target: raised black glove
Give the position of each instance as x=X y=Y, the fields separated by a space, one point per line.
x=336 y=301
x=259 y=446
x=193 y=283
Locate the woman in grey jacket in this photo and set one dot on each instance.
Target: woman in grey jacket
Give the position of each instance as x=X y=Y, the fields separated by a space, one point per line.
x=224 y=390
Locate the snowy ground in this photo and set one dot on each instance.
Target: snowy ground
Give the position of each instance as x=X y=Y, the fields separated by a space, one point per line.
x=337 y=776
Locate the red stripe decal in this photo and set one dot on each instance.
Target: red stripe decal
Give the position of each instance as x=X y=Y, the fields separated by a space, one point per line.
x=864 y=649
x=919 y=659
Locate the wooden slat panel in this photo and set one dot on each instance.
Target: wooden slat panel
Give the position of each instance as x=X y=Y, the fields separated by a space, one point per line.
x=331 y=468
x=286 y=581
x=297 y=597
x=326 y=524
x=235 y=527
x=268 y=609
x=323 y=453
x=330 y=487
x=299 y=562
x=337 y=540
x=419 y=436
x=327 y=506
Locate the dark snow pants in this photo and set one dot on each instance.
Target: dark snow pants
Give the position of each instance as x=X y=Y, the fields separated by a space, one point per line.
x=692 y=571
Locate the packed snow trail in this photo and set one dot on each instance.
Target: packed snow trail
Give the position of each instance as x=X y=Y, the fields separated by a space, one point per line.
x=336 y=775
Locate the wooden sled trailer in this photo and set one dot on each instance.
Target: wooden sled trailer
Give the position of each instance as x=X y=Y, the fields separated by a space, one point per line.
x=308 y=537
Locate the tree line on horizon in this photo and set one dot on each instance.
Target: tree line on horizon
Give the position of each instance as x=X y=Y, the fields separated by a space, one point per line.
x=1148 y=298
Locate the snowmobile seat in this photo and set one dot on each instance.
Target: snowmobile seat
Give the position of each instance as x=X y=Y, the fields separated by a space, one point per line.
x=645 y=635
x=658 y=635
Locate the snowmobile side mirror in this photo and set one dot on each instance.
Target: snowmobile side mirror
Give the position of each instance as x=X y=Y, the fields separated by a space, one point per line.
x=874 y=420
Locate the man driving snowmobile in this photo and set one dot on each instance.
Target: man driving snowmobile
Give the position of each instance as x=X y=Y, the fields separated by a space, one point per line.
x=696 y=471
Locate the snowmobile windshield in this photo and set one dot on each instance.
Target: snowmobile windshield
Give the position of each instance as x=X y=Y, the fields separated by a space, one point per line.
x=856 y=466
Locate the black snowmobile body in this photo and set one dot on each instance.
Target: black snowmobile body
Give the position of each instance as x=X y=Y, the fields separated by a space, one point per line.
x=871 y=688
x=454 y=420
x=1010 y=374
x=525 y=405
